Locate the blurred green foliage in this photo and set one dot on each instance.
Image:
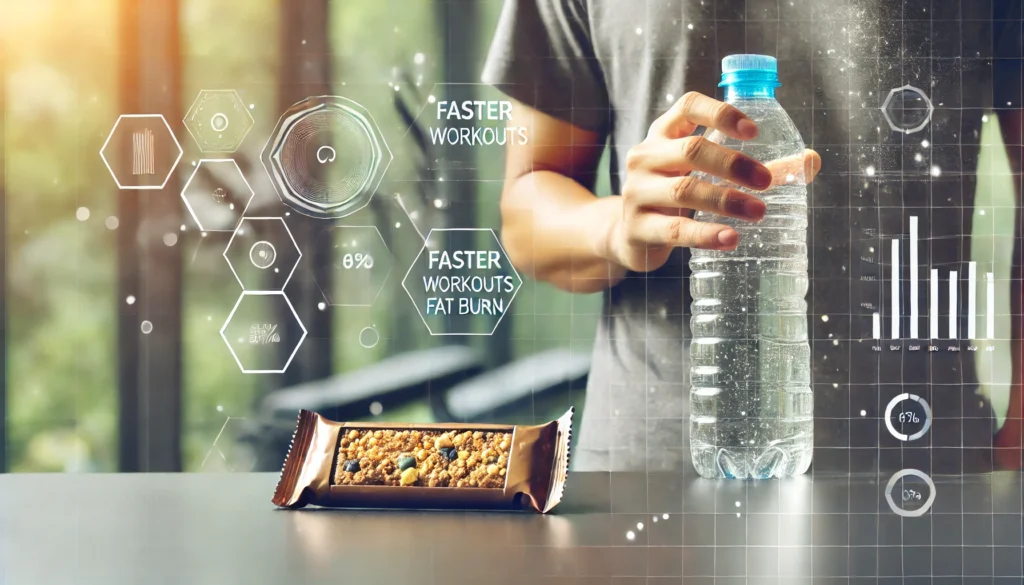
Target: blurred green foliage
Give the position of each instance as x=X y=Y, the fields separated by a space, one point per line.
x=62 y=100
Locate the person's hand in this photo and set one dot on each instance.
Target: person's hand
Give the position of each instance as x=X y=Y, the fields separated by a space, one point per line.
x=658 y=195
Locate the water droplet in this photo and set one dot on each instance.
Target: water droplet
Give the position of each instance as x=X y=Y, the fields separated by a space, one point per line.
x=321 y=305
x=220 y=408
x=130 y=300
x=665 y=516
x=630 y=535
x=925 y=143
x=870 y=171
x=738 y=504
x=639 y=31
x=936 y=171
x=824 y=318
x=918 y=157
x=419 y=58
x=863 y=413
x=639 y=525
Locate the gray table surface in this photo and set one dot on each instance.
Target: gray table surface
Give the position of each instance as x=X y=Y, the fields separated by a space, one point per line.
x=610 y=529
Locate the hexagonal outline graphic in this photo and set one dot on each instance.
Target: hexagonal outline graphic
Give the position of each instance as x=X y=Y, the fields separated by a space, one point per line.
x=169 y=172
x=927 y=100
x=188 y=206
x=505 y=254
x=249 y=124
x=286 y=230
x=263 y=293
x=287 y=120
x=386 y=274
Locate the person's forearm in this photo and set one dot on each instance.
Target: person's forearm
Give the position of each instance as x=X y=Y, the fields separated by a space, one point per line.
x=555 y=230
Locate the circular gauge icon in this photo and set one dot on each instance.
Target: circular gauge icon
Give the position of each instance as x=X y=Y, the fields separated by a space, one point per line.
x=907 y=109
x=219 y=122
x=910 y=493
x=326 y=157
x=262 y=254
x=908 y=417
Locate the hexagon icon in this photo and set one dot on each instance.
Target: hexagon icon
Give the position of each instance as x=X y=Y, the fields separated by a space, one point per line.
x=262 y=253
x=326 y=157
x=141 y=152
x=459 y=278
x=263 y=332
x=907 y=109
x=361 y=264
x=217 y=194
x=218 y=120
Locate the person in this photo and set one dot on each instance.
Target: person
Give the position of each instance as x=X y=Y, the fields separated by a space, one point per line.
x=639 y=77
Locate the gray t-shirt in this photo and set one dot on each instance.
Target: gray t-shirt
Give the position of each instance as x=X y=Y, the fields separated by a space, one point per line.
x=613 y=66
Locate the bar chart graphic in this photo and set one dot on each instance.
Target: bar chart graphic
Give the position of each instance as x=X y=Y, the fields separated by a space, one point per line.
x=898 y=309
x=143 y=153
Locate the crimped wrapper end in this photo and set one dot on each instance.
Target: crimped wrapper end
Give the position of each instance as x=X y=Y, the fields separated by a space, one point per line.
x=560 y=464
x=289 y=493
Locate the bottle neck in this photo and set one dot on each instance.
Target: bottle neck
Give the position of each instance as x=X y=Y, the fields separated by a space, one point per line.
x=749 y=91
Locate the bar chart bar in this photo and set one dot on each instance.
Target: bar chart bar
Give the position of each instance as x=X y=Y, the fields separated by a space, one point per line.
x=952 y=304
x=972 y=304
x=990 y=305
x=933 y=306
x=876 y=325
x=895 y=278
x=913 y=278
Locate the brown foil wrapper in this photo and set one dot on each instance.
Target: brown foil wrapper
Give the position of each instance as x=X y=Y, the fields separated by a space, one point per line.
x=538 y=463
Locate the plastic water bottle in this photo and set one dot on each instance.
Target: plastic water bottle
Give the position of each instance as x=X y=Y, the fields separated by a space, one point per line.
x=751 y=407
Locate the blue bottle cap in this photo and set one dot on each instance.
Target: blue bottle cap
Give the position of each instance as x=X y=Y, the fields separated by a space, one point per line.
x=760 y=70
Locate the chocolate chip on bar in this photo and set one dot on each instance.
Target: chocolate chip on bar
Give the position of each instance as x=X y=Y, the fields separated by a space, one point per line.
x=424 y=458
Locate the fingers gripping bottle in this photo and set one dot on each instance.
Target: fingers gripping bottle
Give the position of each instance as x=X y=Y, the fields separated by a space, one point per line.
x=751 y=407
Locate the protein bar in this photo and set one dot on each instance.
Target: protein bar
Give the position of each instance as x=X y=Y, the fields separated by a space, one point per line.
x=404 y=465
